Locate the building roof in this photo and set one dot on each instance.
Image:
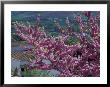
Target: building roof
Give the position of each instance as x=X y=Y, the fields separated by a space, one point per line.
x=22 y=56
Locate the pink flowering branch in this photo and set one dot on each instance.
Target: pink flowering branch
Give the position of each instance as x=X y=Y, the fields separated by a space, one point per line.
x=75 y=60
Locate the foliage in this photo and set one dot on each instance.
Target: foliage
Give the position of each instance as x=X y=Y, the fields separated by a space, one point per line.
x=62 y=56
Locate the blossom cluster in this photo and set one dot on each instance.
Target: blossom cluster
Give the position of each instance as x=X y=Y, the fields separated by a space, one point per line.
x=77 y=60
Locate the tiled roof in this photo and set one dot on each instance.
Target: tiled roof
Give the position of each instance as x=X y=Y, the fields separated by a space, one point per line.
x=22 y=56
